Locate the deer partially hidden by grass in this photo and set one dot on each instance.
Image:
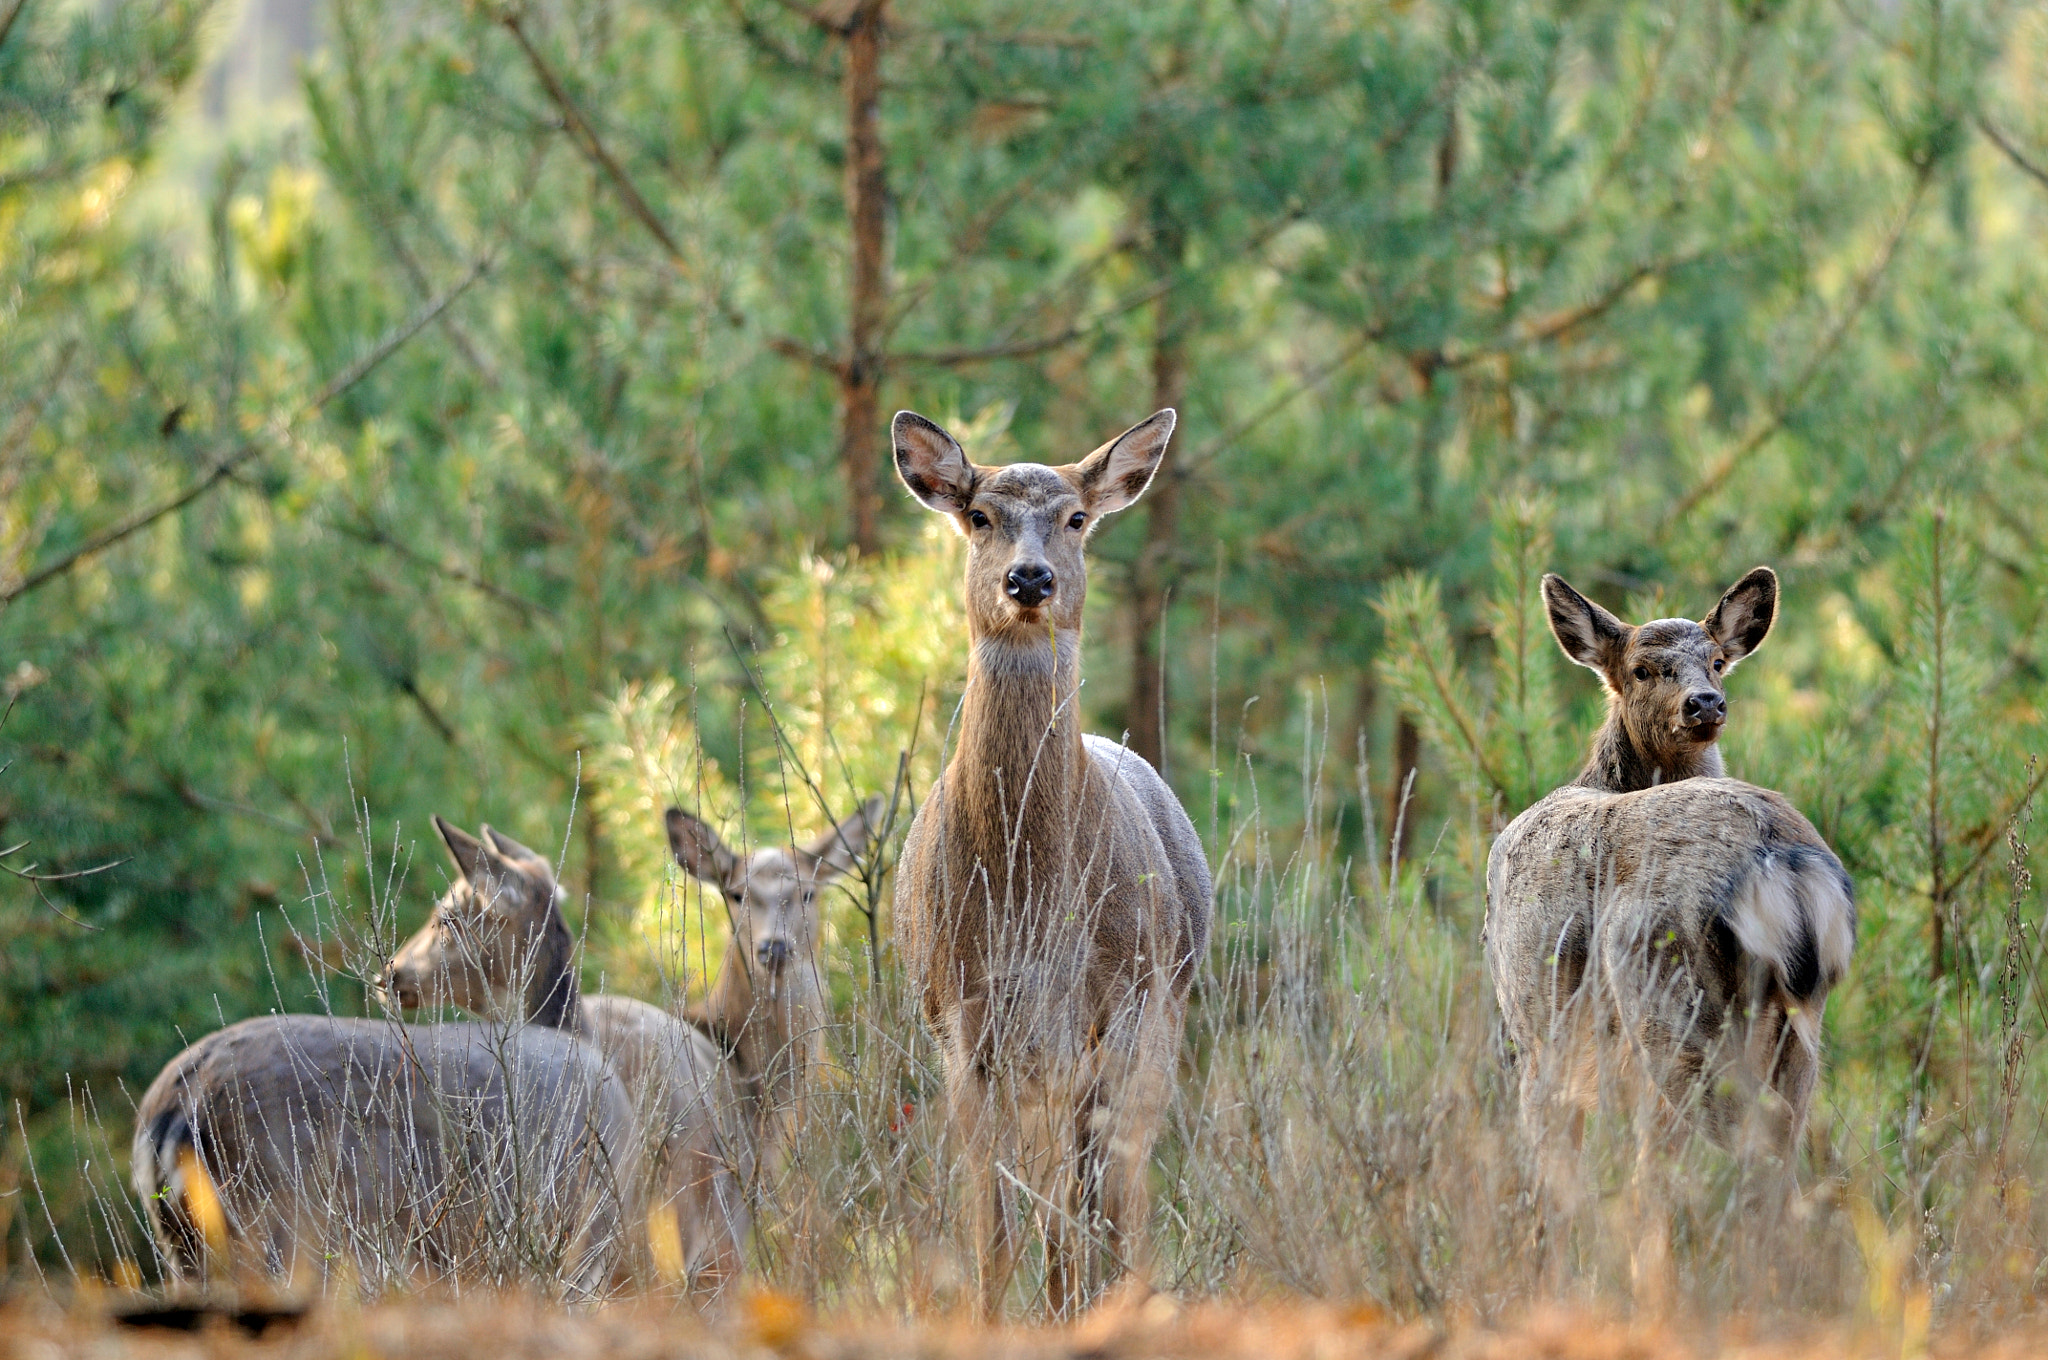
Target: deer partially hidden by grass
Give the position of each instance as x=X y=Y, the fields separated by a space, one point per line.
x=767 y=1006
x=302 y=1146
x=1657 y=919
x=1052 y=902
x=711 y=1093
x=496 y=945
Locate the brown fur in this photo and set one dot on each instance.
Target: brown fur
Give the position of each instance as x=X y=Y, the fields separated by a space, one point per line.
x=1053 y=901
x=1659 y=919
x=496 y=945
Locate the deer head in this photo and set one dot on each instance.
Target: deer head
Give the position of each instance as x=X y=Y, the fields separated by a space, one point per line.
x=1026 y=524
x=1665 y=678
x=495 y=945
x=773 y=892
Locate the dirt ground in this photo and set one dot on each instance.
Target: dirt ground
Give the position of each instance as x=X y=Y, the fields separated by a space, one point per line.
x=766 y=1325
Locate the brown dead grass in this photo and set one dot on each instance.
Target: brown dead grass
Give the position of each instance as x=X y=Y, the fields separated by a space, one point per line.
x=1131 y=1326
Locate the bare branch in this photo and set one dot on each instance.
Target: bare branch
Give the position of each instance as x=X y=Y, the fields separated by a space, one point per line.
x=29 y=874
x=1036 y=344
x=377 y=536
x=1787 y=401
x=226 y=468
x=593 y=147
x=1551 y=325
x=2012 y=152
x=822 y=360
x=7 y=20
x=1315 y=378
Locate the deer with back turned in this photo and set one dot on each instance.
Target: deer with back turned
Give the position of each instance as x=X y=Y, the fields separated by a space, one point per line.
x=1052 y=902
x=1654 y=912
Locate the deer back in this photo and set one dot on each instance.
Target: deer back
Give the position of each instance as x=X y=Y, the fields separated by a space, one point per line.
x=1700 y=892
x=468 y=1151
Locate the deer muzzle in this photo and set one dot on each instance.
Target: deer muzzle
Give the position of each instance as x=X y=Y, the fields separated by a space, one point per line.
x=1030 y=584
x=1706 y=708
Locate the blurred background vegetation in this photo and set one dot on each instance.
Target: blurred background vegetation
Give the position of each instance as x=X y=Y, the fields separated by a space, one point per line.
x=491 y=420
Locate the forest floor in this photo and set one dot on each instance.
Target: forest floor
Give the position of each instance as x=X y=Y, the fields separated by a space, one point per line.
x=764 y=1326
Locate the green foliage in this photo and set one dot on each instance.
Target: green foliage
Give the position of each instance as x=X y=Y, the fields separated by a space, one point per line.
x=470 y=447
x=1506 y=748
x=854 y=692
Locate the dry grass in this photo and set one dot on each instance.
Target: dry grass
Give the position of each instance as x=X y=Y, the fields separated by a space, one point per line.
x=1344 y=1130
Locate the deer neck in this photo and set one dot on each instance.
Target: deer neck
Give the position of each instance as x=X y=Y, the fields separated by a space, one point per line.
x=1020 y=731
x=1620 y=764
x=758 y=1030
x=553 y=997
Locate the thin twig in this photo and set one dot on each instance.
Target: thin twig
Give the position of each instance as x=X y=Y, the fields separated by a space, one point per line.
x=7 y=20
x=592 y=146
x=2012 y=152
x=1787 y=401
x=226 y=468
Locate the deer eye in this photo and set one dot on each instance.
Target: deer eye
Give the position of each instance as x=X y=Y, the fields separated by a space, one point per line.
x=1717 y=665
x=1080 y=518
x=1642 y=672
x=977 y=519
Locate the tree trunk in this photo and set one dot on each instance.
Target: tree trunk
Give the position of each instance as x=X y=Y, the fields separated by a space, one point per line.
x=1156 y=560
x=867 y=192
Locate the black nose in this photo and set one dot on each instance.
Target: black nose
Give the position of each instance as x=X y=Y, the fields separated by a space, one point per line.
x=1029 y=584
x=772 y=954
x=1705 y=706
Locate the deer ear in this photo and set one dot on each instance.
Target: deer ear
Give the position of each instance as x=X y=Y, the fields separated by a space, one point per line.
x=833 y=853
x=700 y=851
x=510 y=848
x=1742 y=620
x=932 y=464
x=476 y=860
x=1117 y=473
x=1589 y=634
x=467 y=851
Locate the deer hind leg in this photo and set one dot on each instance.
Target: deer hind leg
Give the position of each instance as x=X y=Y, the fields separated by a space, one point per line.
x=1783 y=1059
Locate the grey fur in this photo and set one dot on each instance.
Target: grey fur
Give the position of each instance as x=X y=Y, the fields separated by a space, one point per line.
x=403 y=1153
x=1659 y=919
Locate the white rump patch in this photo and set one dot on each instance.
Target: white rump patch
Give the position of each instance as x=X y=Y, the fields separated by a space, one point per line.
x=1781 y=912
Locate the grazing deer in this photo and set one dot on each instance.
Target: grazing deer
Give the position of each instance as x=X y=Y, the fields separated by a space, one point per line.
x=1052 y=903
x=305 y=1143
x=1653 y=909
x=496 y=945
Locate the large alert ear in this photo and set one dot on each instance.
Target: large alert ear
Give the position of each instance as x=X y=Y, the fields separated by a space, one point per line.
x=833 y=853
x=700 y=851
x=472 y=860
x=1589 y=634
x=510 y=848
x=932 y=464
x=1741 y=622
x=1117 y=473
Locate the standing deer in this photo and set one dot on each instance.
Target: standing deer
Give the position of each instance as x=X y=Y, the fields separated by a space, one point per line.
x=1052 y=903
x=767 y=1006
x=496 y=945
x=303 y=1143
x=710 y=1094
x=1653 y=909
